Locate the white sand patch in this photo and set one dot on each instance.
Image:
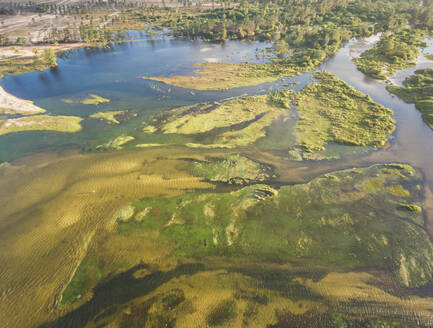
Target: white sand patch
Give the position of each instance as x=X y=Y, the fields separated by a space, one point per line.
x=212 y=60
x=10 y=104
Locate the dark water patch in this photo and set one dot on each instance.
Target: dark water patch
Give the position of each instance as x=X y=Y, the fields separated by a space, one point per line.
x=282 y=280
x=207 y=137
x=311 y=318
x=119 y=290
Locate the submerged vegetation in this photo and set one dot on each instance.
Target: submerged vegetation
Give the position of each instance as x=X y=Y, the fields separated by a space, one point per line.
x=87 y=274
x=418 y=90
x=109 y=116
x=336 y=222
x=364 y=225
x=232 y=169
x=393 y=52
x=116 y=143
x=94 y=100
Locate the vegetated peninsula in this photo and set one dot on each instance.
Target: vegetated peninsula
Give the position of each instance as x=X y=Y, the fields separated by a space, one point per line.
x=221 y=76
x=330 y=111
x=419 y=91
x=393 y=52
x=20 y=59
x=235 y=123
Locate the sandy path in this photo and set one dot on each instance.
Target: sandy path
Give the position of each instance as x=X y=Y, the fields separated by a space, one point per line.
x=16 y=52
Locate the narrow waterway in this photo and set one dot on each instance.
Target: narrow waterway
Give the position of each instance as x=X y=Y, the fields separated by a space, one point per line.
x=412 y=141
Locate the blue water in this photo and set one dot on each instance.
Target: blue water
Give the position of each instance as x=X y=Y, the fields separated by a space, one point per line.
x=119 y=74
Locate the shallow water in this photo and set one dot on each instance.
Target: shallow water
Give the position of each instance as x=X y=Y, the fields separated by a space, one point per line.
x=117 y=74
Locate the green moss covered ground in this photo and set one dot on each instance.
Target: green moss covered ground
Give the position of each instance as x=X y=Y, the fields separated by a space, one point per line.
x=232 y=169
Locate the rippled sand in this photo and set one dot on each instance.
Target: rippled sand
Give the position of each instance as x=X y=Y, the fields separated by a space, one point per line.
x=50 y=207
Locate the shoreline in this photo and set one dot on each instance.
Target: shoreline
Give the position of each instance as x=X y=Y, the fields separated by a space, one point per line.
x=9 y=104
x=27 y=51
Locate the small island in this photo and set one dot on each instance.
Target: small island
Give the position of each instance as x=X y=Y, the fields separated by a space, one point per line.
x=41 y=123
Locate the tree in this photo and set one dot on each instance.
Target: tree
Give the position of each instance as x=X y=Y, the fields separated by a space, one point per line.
x=388 y=46
x=21 y=40
x=50 y=58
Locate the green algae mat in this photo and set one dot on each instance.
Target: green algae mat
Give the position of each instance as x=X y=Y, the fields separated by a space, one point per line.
x=261 y=255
